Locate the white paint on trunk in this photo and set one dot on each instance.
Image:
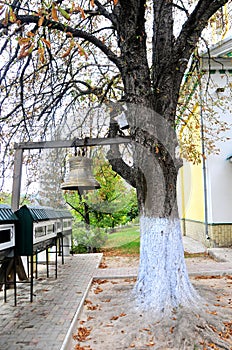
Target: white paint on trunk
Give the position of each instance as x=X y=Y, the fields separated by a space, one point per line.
x=163 y=282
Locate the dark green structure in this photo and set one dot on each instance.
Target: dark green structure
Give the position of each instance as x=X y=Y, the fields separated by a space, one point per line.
x=36 y=230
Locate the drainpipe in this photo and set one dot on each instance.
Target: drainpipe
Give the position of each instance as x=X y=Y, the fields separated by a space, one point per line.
x=204 y=165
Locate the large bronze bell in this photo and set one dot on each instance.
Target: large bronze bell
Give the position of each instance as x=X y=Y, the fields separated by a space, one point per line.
x=80 y=177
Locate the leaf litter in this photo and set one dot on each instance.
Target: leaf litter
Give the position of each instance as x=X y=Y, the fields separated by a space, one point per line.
x=112 y=322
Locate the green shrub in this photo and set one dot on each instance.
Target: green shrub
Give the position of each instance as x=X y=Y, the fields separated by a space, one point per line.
x=88 y=240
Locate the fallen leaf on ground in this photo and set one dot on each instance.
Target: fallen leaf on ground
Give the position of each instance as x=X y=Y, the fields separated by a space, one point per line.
x=116 y=317
x=90 y=318
x=150 y=344
x=98 y=290
x=93 y=307
x=103 y=265
x=208 y=277
x=211 y=312
x=82 y=334
x=79 y=347
x=98 y=281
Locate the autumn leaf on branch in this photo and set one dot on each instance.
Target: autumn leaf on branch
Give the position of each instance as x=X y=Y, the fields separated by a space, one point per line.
x=46 y=42
x=54 y=13
x=67 y=52
x=80 y=9
x=40 y=21
x=64 y=13
x=23 y=41
x=12 y=17
x=27 y=47
x=82 y=51
x=25 y=51
x=41 y=54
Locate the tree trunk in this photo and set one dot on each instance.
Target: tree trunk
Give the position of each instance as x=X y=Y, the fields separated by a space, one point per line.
x=163 y=281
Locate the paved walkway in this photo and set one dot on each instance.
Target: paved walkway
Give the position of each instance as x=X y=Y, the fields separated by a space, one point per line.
x=49 y=321
x=45 y=323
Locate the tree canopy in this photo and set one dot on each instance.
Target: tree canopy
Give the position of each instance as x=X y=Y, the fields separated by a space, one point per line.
x=54 y=53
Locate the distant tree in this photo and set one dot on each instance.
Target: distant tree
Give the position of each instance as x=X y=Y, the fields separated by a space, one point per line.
x=113 y=204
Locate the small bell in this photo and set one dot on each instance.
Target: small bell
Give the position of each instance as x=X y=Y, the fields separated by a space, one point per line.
x=80 y=177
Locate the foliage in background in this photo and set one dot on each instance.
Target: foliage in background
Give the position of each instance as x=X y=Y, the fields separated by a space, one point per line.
x=197 y=115
x=87 y=240
x=113 y=204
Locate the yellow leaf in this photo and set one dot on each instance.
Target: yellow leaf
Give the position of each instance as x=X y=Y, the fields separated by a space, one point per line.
x=30 y=34
x=40 y=21
x=54 y=13
x=23 y=41
x=13 y=17
x=115 y=2
x=92 y=3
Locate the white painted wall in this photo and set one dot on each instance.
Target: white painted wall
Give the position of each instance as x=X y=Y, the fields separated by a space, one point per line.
x=219 y=170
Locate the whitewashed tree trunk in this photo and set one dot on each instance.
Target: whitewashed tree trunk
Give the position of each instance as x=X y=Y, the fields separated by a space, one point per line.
x=163 y=282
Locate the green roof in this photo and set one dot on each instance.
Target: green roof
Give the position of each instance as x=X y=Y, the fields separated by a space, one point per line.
x=44 y=213
x=7 y=214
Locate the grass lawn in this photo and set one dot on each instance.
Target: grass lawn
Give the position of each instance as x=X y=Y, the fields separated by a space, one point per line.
x=123 y=242
x=126 y=241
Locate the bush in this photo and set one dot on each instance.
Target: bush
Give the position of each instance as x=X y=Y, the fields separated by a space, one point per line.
x=88 y=240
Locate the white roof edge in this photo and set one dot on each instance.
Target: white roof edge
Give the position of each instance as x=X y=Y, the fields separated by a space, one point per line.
x=219 y=49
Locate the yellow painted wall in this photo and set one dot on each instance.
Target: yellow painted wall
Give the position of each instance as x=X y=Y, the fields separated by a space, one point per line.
x=192 y=192
x=191 y=185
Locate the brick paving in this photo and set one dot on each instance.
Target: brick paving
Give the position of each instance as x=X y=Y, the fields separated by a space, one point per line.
x=48 y=322
x=44 y=323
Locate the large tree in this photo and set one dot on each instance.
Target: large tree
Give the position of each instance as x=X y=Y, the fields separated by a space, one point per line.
x=136 y=56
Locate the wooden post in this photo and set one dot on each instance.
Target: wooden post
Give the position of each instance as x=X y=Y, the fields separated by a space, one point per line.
x=17 y=175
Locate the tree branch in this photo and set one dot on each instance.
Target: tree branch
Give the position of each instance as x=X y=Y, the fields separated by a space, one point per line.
x=105 y=13
x=76 y=33
x=196 y=22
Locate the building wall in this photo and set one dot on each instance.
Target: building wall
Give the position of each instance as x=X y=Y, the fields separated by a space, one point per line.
x=219 y=235
x=218 y=173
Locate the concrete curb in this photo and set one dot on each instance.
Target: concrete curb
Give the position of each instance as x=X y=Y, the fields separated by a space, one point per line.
x=67 y=343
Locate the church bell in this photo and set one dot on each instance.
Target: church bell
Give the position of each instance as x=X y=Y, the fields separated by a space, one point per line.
x=80 y=177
